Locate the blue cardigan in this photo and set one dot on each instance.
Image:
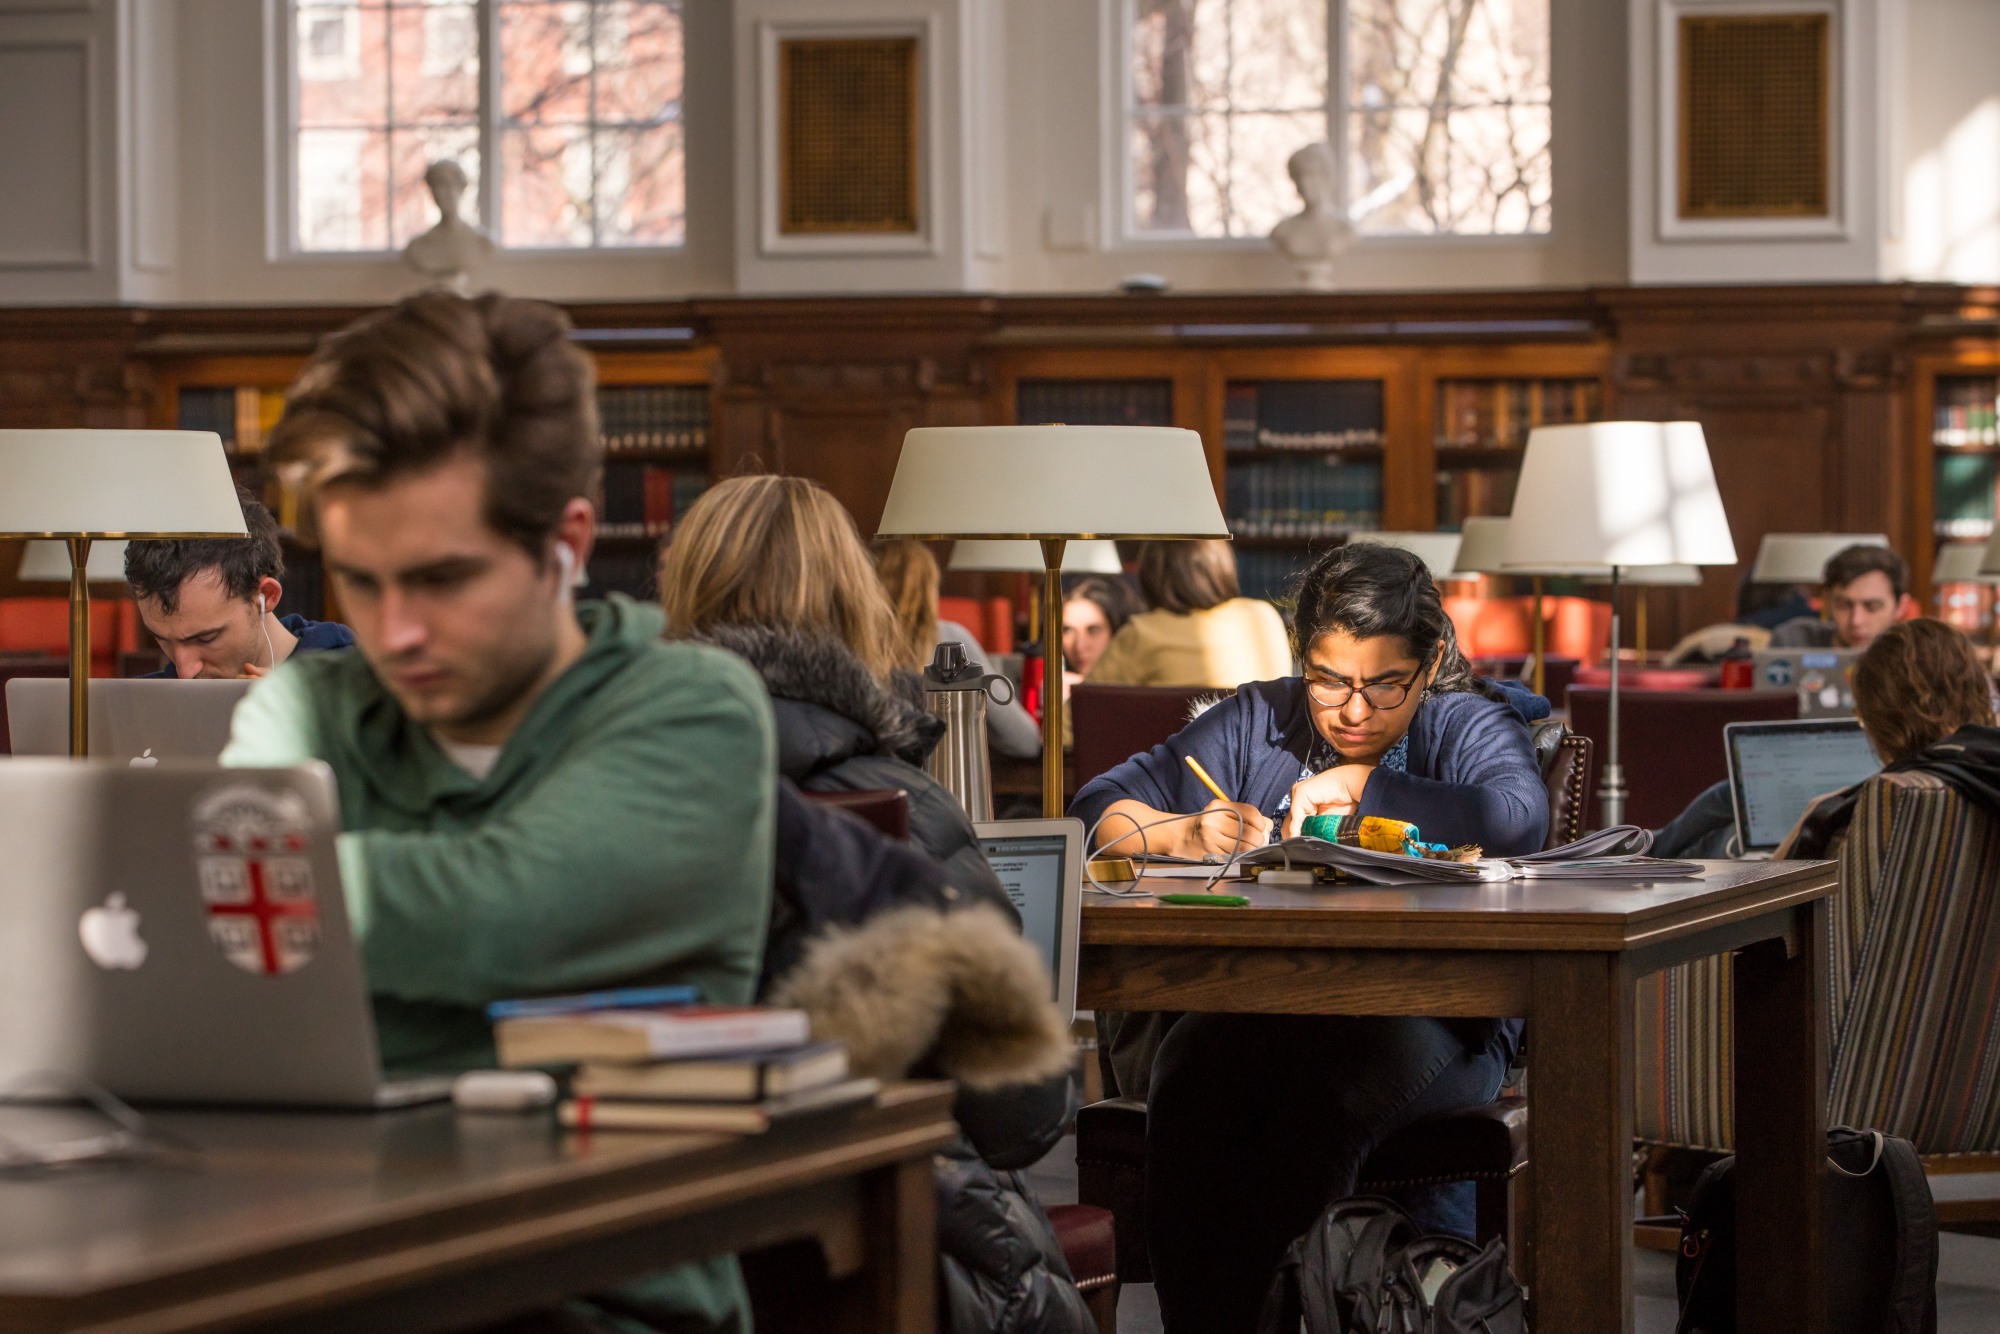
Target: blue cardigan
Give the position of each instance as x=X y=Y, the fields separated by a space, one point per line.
x=1472 y=776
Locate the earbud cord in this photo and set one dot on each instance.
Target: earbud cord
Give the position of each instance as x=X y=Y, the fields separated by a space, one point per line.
x=264 y=624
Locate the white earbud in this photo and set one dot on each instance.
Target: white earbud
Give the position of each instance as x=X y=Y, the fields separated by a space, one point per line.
x=566 y=562
x=260 y=604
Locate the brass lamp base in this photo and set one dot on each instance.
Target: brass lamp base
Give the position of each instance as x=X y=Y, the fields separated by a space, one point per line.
x=79 y=647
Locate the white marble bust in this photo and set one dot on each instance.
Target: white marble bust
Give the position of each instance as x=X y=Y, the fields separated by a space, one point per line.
x=1316 y=235
x=448 y=252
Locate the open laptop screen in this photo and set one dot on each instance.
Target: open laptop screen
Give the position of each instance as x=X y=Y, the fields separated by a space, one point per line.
x=1776 y=769
x=1038 y=863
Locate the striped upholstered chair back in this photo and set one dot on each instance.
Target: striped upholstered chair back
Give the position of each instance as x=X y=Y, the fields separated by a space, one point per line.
x=1913 y=981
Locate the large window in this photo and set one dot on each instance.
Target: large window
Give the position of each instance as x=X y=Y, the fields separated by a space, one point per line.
x=577 y=142
x=1437 y=110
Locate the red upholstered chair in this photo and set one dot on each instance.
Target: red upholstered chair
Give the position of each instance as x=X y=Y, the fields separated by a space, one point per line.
x=1670 y=741
x=1492 y=627
x=1633 y=677
x=888 y=809
x=1578 y=628
x=968 y=612
x=41 y=625
x=1114 y=723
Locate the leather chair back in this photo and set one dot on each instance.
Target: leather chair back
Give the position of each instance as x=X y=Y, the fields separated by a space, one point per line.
x=1113 y=723
x=1567 y=761
x=1670 y=741
x=48 y=667
x=888 y=809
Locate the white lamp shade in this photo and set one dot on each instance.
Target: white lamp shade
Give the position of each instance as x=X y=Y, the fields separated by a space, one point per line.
x=1052 y=481
x=1482 y=547
x=1618 y=493
x=1093 y=557
x=1439 y=551
x=1964 y=563
x=87 y=483
x=48 y=563
x=1800 y=558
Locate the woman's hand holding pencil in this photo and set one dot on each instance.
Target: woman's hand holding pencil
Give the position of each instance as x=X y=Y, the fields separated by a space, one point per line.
x=1227 y=827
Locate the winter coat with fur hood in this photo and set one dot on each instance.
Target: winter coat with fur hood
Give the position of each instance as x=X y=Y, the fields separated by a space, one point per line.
x=840 y=729
x=960 y=995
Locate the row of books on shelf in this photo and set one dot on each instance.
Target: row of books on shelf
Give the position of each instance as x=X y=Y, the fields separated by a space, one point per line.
x=1269 y=574
x=1307 y=524
x=242 y=415
x=680 y=1066
x=1095 y=402
x=1964 y=489
x=656 y=418
x=1302 y=414
x=1462 y=493
x=1285 y=487
x=1498 y=414
x=1966 y=413
x=635 y=573
x=649 y=495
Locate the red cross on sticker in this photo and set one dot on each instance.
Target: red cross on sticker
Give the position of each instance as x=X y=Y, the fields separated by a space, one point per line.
x=256 y=882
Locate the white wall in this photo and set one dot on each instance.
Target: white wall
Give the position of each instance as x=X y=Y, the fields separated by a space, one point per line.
x=1949 y=223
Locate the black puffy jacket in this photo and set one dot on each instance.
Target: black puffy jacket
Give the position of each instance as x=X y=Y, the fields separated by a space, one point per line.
x=1001 y=1268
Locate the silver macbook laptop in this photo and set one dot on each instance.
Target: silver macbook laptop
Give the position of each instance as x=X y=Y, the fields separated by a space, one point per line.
x=1776 y=769
x=1823 y=678
x=179 y=934
x=1040 y=863
x=129 y=720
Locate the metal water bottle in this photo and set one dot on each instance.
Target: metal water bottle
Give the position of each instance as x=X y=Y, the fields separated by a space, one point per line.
x=956 y=690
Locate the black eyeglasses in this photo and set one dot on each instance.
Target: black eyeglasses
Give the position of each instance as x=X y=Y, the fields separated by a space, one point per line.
x=1381 y=695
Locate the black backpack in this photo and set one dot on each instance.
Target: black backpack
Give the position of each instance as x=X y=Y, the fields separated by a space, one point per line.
x=1362 y=1267
x=1881 y=1241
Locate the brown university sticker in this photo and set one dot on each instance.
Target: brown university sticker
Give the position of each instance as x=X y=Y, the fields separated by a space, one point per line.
x=256 y=881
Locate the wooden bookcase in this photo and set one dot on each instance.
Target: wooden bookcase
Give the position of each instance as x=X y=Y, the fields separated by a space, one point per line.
x=1954 y=429
x=656 y=408
x=1308 y=444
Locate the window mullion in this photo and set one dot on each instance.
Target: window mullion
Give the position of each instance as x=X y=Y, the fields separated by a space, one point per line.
x=1339 y=103
x=488 y=14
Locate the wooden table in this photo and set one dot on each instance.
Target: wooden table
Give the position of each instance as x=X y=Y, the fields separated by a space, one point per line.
x=426 y=1219
x=1566 y=954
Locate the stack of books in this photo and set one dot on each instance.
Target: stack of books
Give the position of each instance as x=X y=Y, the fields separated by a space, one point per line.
x=685 y=1067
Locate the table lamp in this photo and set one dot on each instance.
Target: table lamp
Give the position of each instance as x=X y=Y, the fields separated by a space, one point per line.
x=1483 y=550
x=1438 y=551
x=1649 y=576
x=1094 y=557
x=84 y=485
x=1618 y=495
x=48 y=563
x=1971 y=563
x=1052 y=485
x=1800 y=558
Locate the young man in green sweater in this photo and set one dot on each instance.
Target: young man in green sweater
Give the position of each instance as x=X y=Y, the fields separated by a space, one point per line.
x=538 y=797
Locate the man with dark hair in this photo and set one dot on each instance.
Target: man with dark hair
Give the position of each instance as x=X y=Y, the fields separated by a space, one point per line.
x=212 y=603
x=538 y=797
x=1866 y=590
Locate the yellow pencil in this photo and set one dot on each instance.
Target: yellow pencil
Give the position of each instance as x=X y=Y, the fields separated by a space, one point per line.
x=1207 y=782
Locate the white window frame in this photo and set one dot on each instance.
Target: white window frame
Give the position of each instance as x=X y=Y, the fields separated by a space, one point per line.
x=1117 y=204
x=281 y=48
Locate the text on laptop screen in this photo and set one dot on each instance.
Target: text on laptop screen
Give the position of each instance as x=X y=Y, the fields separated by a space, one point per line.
x=1030 y=869
x=1783 y=769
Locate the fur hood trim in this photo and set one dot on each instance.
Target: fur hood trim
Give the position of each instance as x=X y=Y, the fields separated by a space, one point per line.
x=814 y=669
x=960 y=992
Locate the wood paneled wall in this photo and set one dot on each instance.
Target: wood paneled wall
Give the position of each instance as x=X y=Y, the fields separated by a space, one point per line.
x=1804 y=391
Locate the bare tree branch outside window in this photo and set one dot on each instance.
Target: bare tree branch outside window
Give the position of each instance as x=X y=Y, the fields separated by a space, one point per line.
x=1444 y=116
x=586 y=130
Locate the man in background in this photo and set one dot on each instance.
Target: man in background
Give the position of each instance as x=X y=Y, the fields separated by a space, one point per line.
x=538 y=797
x=1865 y=590
x=212 y=603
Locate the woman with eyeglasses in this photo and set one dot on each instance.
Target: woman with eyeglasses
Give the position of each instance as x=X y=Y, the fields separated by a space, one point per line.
x=1257 y=1122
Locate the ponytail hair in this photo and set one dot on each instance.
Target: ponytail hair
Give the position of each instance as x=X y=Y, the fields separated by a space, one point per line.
x=1368 y=590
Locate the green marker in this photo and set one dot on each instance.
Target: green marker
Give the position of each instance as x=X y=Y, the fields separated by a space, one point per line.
x=1205 y=900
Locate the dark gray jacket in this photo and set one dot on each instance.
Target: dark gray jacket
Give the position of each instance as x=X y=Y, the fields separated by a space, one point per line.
x=839 y=729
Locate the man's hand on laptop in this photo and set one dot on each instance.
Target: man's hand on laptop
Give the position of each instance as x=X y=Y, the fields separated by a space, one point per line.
x=254 y=672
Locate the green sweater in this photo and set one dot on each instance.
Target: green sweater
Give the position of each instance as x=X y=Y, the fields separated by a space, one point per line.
x=624 y=837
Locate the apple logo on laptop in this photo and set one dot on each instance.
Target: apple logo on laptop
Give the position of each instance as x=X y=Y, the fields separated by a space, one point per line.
x=111 y=935
x=146 y=761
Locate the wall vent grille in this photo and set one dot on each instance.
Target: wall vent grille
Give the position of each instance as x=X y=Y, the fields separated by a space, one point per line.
x=1755 y=116
x=847 y=136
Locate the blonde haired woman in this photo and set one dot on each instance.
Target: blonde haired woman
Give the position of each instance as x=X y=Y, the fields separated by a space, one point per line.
x=910 y=576
x=772 y=569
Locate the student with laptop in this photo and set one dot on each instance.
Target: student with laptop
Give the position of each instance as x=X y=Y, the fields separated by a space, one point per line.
x=1865 y=589
x=212 y=603
x=538 y=797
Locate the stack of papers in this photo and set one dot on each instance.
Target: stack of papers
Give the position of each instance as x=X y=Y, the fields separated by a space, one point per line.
x=1605 y=868
x=1616 y=853
x=1374 y=868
